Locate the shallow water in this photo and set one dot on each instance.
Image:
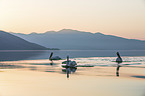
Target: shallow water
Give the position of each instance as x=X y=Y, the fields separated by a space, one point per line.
x=97 y=73
x=82 y=57
x=38 y=60
x=15 y=55
x=46 y=65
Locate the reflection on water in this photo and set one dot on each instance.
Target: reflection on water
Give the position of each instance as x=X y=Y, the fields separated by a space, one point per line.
x=69 y=70
x=19 y=55
x=117 y=70
x=93 y=63
x=39 y=61
x=8 y=66
x=143 y=77
x=9 y=55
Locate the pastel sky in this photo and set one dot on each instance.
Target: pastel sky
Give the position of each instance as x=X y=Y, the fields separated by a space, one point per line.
x=125 y=18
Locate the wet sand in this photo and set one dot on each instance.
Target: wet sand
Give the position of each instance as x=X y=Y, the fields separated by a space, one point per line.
x=93 y=81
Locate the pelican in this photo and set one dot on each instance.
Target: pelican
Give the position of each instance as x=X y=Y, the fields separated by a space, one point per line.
x=119 y=59
x=54 y=57
x=69 y=63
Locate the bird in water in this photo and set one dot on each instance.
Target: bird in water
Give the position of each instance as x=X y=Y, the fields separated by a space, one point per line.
x=119 y=59
x=69 y=63
x=51 y=57
x=70 y=66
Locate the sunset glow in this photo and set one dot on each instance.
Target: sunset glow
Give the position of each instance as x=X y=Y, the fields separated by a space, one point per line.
x=113 y=17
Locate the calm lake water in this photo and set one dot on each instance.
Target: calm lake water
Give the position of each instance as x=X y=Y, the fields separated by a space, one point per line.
x=33 y=55
x=38 y=60
x=91 y=57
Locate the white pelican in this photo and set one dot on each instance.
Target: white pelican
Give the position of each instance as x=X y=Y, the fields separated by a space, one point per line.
x=69 y=63
x=54 y=57
x=119 y=59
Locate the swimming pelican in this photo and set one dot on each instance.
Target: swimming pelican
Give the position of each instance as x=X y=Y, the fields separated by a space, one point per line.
x=69 y=63
x=54 y=57
x=119 y=59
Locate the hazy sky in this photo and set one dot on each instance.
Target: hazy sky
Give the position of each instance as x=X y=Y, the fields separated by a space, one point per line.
x=125 y=18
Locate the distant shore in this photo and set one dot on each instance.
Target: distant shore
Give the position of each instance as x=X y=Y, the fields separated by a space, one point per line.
x=30 y=49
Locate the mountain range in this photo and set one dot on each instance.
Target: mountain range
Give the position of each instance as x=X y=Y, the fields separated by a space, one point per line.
x=11 y=42
x=79 y=40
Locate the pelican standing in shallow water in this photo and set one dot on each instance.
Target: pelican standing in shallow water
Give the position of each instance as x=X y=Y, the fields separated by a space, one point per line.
x=119 y=59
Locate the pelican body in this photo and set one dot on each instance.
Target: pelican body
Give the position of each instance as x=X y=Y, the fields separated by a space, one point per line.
x=119 y=59
x=54 y=57
x=69 y=63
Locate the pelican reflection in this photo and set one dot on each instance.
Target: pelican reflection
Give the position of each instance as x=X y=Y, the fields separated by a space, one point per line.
x=117 y=70
x=69 y=70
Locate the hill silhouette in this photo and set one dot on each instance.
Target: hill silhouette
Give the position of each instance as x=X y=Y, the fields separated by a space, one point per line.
x=79 y=40
x=11 y=42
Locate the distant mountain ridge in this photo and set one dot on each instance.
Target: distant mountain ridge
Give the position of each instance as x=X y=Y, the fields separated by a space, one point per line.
x=11 y=42
x=79 y=40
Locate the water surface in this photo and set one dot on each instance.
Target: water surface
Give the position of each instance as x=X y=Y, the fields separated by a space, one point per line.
x=15 y=55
